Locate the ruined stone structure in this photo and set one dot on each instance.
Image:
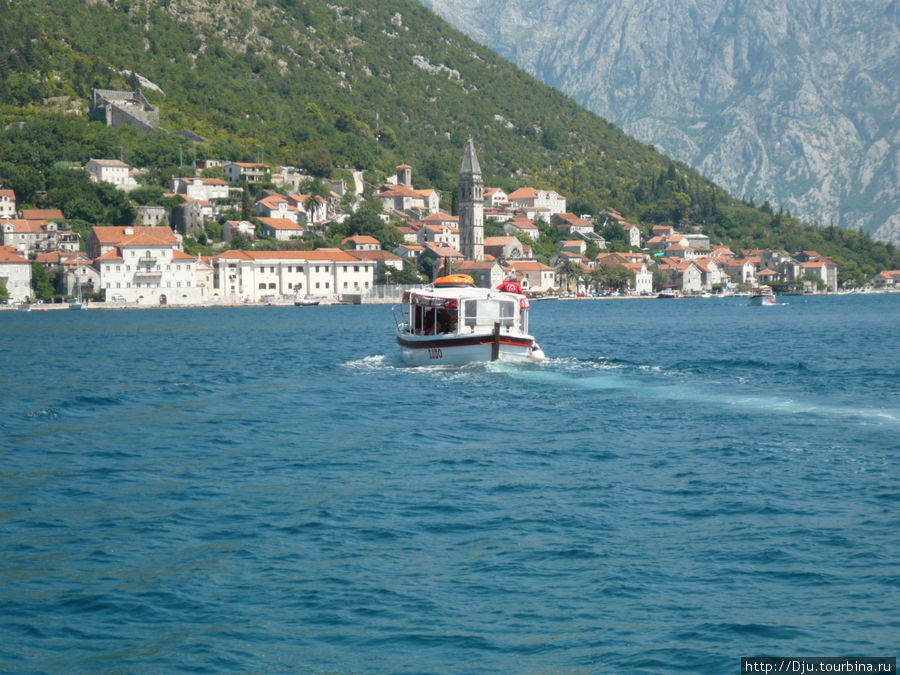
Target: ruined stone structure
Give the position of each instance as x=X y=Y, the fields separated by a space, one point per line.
x=116 y=108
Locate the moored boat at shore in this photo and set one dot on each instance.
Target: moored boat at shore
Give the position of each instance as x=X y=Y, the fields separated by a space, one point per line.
x=454 y=322
x=669 y=293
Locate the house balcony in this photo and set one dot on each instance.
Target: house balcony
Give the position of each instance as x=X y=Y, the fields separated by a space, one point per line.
x=147 y=274
x=147 y=260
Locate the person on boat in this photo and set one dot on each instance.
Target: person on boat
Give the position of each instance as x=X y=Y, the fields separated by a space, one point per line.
x=445 y=322
x=510 y=285
x=429 y=326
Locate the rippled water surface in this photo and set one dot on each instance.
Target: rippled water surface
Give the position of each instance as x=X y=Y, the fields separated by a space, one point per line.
x=681 y=484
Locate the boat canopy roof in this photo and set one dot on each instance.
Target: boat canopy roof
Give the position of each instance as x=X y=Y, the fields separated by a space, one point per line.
x=447 y=296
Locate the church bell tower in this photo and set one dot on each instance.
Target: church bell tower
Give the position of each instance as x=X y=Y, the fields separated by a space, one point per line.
x=471 y=206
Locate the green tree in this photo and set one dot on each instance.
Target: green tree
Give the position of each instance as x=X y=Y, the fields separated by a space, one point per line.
x=213 y=230
x=4 y=294
x=245 y=201
x=411 y=273
x=660 y=279
x=40 y=282
x=318 y=162
x=240 y=242
x=569 y=270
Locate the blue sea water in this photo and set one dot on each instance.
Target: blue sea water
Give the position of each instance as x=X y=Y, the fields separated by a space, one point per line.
x=268 y=489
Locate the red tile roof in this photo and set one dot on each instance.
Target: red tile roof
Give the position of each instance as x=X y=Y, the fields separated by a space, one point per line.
x=10 y=255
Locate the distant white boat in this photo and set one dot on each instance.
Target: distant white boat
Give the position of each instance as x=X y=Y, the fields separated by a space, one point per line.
x=76 y=302
x=762 y=295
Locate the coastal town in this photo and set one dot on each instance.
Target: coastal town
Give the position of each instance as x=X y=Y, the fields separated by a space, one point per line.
x=145 y=263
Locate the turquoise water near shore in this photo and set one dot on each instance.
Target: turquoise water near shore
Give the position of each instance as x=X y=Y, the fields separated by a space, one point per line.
x=680 y=484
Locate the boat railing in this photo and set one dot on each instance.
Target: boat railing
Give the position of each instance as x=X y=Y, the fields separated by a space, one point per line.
x=401 y=322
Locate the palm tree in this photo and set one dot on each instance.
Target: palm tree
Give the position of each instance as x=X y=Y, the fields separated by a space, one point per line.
x=586 y=278
x=599 y=278
x=315 y=190
x=568 y=269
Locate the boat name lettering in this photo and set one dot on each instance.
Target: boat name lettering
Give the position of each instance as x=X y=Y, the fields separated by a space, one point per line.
x=435 y=353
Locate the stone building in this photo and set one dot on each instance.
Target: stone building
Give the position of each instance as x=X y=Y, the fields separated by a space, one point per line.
x=118 y=108
x=471 y=206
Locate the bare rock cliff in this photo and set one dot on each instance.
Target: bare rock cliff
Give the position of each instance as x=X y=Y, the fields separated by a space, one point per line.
x=795 y=101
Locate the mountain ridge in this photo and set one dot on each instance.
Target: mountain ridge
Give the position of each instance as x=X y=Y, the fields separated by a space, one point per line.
x=790 y=101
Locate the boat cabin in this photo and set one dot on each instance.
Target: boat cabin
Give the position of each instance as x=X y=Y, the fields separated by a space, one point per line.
x=462 y=308
x=455 y=322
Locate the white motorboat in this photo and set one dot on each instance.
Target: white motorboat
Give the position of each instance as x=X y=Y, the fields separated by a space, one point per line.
x=454 y=322
x=762 y=295
x=669 y=293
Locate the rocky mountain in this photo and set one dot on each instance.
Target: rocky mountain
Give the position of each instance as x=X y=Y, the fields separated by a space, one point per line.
x=794 y=101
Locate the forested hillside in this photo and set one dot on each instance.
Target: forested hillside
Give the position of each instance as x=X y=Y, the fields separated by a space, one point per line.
x=348 y=83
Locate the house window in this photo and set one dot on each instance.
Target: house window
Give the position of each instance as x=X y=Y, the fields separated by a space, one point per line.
x=326 y=284
x=345 y=284
x=356 y=268
x=262 y=285
x=317 y=269
x=317 y=284
x=271 y=285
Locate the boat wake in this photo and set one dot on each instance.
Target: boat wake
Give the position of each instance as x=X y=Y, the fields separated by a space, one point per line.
x=376 y=362
x=655 y=383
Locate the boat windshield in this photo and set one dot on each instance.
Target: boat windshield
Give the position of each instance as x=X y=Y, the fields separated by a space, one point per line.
x=483 y=313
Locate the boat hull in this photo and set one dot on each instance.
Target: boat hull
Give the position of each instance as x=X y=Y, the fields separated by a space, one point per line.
x=762 y=300
x=458 y=350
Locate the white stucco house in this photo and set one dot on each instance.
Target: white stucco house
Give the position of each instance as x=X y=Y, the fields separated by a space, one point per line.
x=15 y=273
x=202 y=189
x=147 y=270
x=7 y=204
x=112 y=171
x=249 y=276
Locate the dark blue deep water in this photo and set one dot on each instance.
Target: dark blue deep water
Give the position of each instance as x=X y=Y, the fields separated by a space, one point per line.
x=267 y=489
